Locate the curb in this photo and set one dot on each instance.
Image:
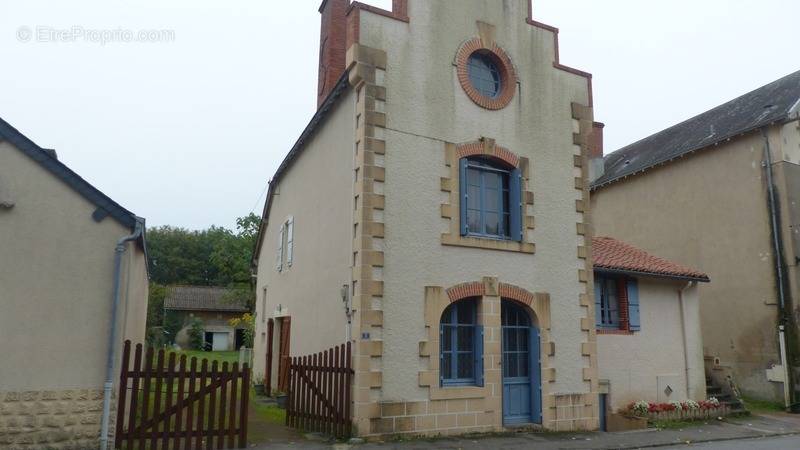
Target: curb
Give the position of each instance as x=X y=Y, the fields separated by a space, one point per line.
x=701 y=441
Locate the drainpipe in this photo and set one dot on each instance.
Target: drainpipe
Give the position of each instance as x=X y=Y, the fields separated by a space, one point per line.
x=778 y=248
x=685 y=339
x=112 y=336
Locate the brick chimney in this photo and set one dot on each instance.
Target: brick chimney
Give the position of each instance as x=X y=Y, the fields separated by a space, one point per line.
x=596 y=166
x=332 y=49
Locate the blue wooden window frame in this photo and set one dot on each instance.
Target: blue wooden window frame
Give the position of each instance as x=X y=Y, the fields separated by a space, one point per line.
x=459 y=320
x=487 y=190
x=606 y=302
x=484 y=75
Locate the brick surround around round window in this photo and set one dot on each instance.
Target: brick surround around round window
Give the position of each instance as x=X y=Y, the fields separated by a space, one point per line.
x=508 y=76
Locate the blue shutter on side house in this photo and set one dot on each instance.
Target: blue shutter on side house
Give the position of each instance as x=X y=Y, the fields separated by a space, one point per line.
x=598 y=292
x=515 y=203
x=479 y=355
x=633 y=305
x=462 y=186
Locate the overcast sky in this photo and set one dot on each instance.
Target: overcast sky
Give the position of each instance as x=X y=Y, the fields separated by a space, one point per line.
x=187 y=131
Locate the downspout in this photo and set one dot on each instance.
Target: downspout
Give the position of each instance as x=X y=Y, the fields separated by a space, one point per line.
x=778 y=248
x=112 y=336
x=687 y=369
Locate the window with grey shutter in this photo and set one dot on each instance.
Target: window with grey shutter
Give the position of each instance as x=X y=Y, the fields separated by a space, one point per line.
x=289 y=241
x=279 y=256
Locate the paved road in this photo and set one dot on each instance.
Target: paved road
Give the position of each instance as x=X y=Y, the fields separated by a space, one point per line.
x=750 y=433
x=769 y=443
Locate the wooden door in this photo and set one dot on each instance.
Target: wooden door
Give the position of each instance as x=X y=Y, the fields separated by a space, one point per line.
x=521 y=371
x=283 y=354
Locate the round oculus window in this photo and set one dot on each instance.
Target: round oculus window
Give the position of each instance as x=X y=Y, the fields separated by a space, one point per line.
x=484 y=74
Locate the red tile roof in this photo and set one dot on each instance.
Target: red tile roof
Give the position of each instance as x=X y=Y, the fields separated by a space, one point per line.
x=612 y=254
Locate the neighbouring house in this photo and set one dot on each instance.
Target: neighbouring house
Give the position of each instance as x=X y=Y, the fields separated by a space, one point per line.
x=214 y=308
x=435 y=213
x=58 y=240
x=721 y=191
x=649 y=345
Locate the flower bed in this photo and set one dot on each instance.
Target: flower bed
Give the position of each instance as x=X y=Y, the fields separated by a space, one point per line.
x=686 y=410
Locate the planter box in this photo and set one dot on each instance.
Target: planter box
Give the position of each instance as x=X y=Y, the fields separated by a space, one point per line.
x=692 y=414
x=619 y=422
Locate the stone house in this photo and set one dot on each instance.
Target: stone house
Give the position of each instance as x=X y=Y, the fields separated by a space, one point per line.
x=58 y=235
x=214 y=307
x=721 y=191
x=435 y=212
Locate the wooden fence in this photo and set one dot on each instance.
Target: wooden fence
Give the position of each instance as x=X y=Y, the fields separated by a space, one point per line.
x=319 y=392
x=175 y=406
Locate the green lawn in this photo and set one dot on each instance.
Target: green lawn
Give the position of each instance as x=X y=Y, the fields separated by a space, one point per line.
x=229 y=357
x=270 y=413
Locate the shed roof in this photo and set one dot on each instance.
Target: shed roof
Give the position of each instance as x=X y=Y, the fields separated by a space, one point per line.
x=772 y=103
x=609 y=254
x=202 y=298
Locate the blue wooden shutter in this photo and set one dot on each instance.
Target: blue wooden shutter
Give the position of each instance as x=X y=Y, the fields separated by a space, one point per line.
x=515 y=203
x=536 y=376
x=598 y=292
x=441 y=354
x=478 y=355
x=633 y=305
x=462 y=186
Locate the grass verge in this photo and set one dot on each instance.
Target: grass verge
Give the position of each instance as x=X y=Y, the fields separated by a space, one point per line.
x=762 y=406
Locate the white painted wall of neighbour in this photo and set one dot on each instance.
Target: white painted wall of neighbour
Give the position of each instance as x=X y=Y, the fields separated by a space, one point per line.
x=318 y=192
x=56 y=267
x=425 y=107
x=633 y=364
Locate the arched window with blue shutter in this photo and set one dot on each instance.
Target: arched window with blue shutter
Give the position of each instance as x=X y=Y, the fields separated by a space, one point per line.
x=491 y=199
x=461 y=345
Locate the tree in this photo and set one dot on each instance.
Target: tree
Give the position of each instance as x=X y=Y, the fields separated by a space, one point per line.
x=196 y=337
x=248 y=324
x=215 y=256
x=155 y=315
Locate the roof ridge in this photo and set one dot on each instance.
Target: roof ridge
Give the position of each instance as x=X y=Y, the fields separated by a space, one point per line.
x=699 y=129
x=706 y=112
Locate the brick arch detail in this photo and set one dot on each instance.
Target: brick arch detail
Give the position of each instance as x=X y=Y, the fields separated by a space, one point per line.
x=508 y=75
x=516 y=293
x=487 y=147
x=466 y=290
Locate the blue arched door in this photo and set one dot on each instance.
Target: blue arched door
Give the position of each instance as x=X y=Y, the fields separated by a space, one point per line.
x=522 y=396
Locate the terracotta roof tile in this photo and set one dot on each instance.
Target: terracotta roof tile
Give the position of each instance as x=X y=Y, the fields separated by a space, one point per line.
x=612 y=254
x=204 y=298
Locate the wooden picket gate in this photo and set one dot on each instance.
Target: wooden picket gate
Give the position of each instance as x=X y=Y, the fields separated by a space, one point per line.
x=319 y=392
x=205 y=406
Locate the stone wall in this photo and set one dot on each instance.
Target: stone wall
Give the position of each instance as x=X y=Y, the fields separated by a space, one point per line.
x=65 y=419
